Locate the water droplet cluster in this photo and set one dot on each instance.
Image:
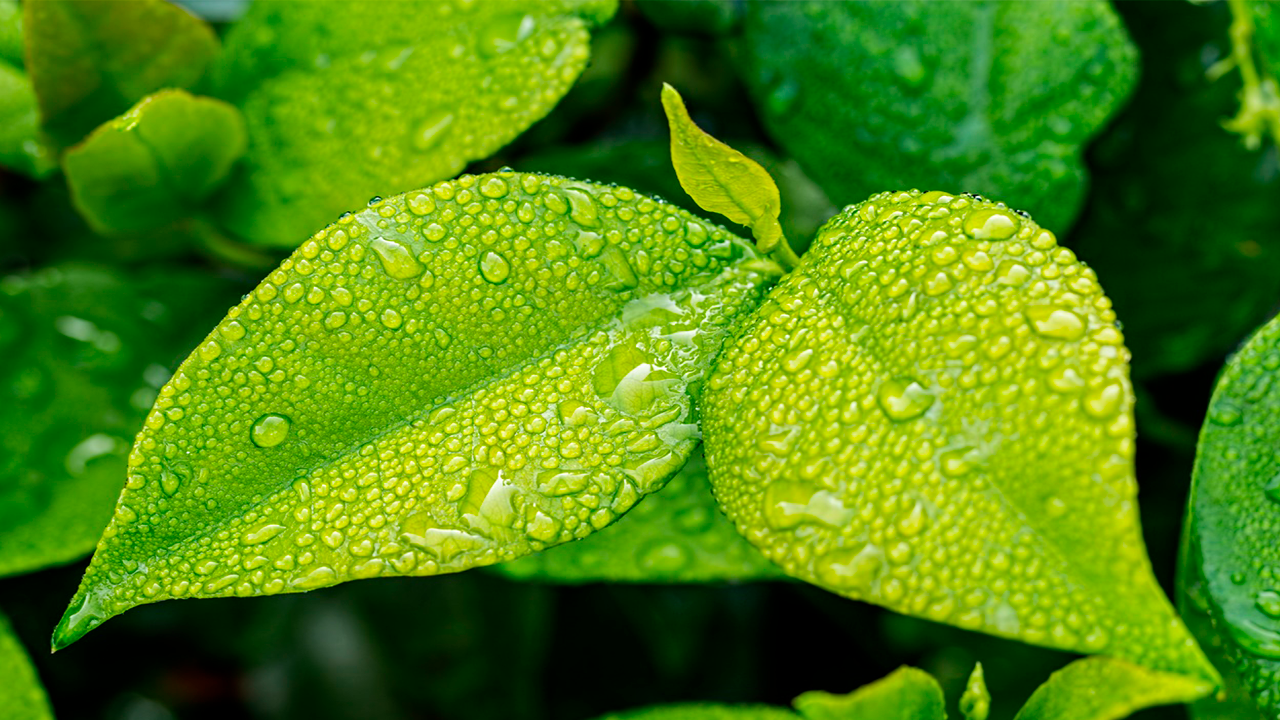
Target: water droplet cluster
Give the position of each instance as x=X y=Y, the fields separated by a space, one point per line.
x=933 y=412
x=1232 y=565
x=421 y=88
x=449 y=378
x=677 y=535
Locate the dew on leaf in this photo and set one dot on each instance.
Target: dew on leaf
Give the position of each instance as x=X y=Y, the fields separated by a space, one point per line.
x=270 y=430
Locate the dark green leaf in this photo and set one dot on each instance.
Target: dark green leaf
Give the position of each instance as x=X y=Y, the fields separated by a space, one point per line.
x=91 y=60
x=21 y=696
x=11 y=32
x=988 y=97
x=156 y=163
x=697 y=17
x=1235 y=505
x=349 y=100
x=904 y=694
x=1100 y=688
x=676 y=535
x=453 y=377
x=84 y=353
x=933 y=413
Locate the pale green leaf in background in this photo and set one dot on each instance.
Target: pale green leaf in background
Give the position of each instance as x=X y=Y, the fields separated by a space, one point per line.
x=156 y=163
x=677 y=535
x=453 y=377
x=933 y=414
x=1231 y=553
x=21 y=695
x=1100 y=688
x=988 y=97
x=85 y=351
x=91 y=60
x=345 y=101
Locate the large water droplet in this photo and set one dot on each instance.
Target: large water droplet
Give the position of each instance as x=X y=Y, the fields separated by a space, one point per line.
x=1268 y=601
x=396 y=259
x=269 y=430
x=991 y=224
x=850 y=569
x=903 y=399
x=1054 y=322
x=788 y=504
x=494 y=267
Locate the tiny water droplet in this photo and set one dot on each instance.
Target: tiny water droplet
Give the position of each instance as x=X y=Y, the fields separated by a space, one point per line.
x=269 y=430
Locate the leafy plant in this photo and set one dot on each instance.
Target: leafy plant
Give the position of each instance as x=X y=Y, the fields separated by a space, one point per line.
x=922 y=401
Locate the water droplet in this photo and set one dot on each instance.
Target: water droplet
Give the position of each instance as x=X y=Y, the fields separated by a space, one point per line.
x=664 y=557
x=1272 y=489
x=494 y=267
x=262 y=534
x=1254 y=638
x=1105 y=401
x=991 y=224
x=903 y=399
x=957 y=462
x=269 y=430
x=432 y=130
x=1226 y=412
x=908 y=67
x=788 y=504
x=396 y=259
x=1054 y=322
x=494 y=188
x=582 y=209
x=503 y=33
x=1268 y=601
x=849 y=569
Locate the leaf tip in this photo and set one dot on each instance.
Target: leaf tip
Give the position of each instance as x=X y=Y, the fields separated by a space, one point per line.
x=82 y=615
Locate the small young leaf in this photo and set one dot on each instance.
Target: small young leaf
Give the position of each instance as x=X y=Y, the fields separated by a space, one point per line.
x=22 y=148
x=21 y=695
x=453 y=377
x=1232 y=537
x=993 y=97
x=90 y=60
x=349 y=100
x=904 y=694
x=1100 y=688
x=677 y=535
x=721 y=179
x=85 y=352
x=156 y=163
x=975 y=703
x=933 y=413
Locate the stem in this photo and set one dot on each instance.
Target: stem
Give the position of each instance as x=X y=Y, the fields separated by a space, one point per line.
x=785 y=256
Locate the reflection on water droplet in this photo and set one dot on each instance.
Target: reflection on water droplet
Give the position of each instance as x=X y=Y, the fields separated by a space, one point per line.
x=1255 y=638
x=269 y=430
x=1226 y=412
x=991 y=224
x=1105 y=401
x=432 y=130
x=396 y=259
x=494 y=267
x=903 y=399
x=582 y=209
x=502 y=34
x=788 y=504
x=1268 y=601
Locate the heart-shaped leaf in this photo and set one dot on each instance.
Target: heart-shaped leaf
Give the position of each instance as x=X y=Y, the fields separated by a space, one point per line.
x=349 y=100
x=91 y=60
x=1234 y=519
x=933 y=413
x=156 y=163
x=677 y=535
x=1100 y=688
x=453 y=377
x=993 y=97
x=84 y=353
x=21 y=695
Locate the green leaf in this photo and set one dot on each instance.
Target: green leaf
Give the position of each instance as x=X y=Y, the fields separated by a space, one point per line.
x=933 y=413
x=975 y=703
x=155 y=164
x=704 y=711
x=11 y=32
x=677 y=535
x=85 y=351
x=1202 y=269
x=696 y=17
x=723 y=180
x=1100 y=688
x=1231 y=550
x=91 y=60
x=450 y=378
x=22 y=147
x=345 y=101
x=904 y=694
x=988 y=97
x=21 y=695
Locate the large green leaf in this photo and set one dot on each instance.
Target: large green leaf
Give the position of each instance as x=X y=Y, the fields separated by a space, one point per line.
x=933 y=413
x=988 y=97
x=21 y=695
x=1190 y=258
x=84 y=353
x=91 y=60
x=22 y=147
x=345 y=101
x=676 y=535
x=1234 y=518
x=453 y=377
x=156 y=163
x=1108 y=689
